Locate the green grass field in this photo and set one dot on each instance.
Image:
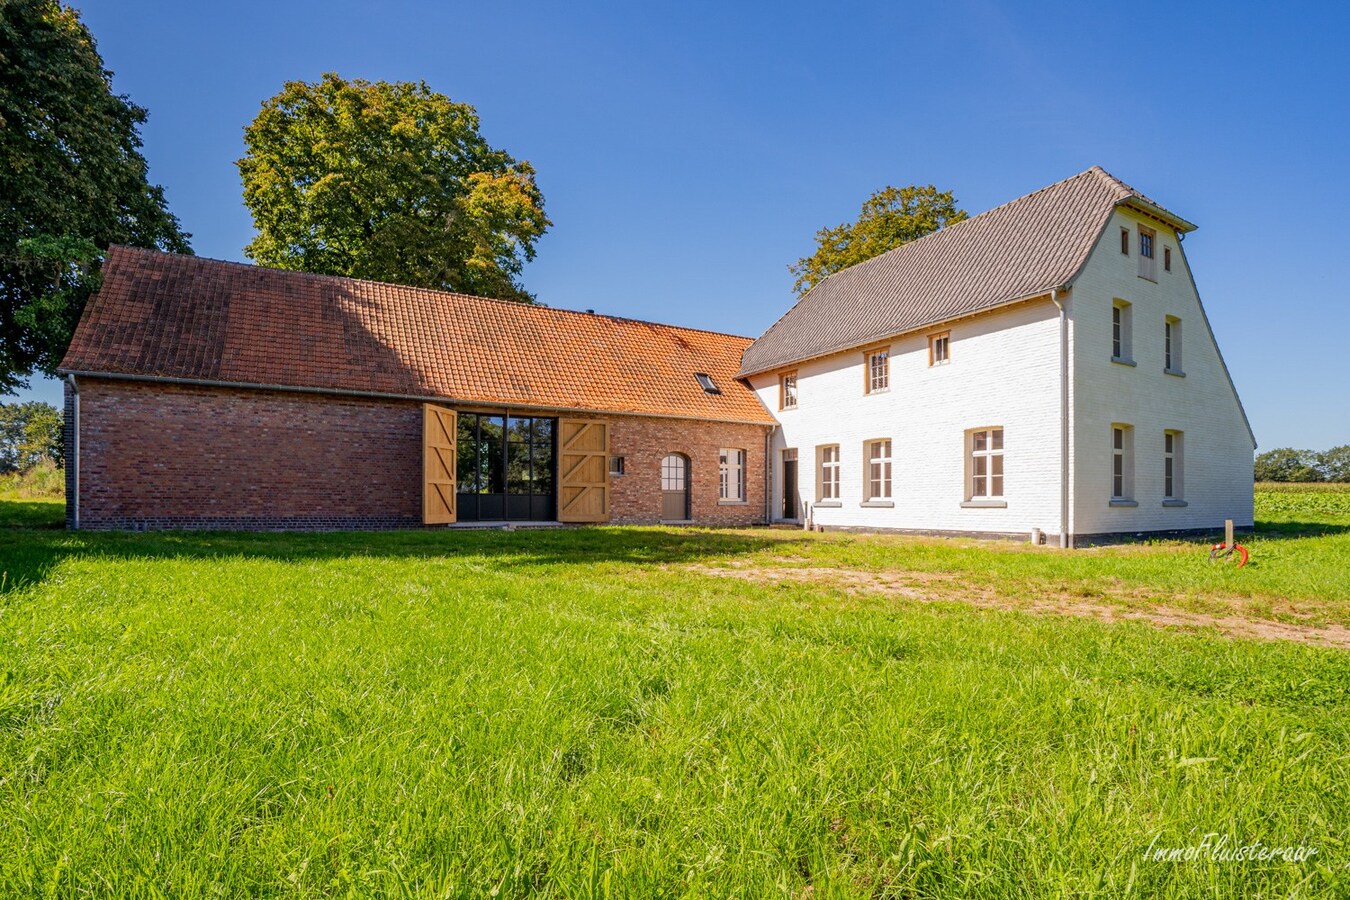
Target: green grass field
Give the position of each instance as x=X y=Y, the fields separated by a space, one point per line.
x=655 y=713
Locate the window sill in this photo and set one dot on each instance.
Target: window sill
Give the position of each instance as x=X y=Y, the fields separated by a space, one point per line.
x=1125 y=504
x=878 y=504
x=1149 y=278
x=1122 y=361
x=1174 y=503
x=828 y=504
x=984 y=504
x=733 y=502
x=1176 y=372
x=878 y=391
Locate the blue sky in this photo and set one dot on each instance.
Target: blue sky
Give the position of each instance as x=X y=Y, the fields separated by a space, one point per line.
x=689 y=151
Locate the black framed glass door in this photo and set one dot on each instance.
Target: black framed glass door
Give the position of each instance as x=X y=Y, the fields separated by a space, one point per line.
x=506 y=468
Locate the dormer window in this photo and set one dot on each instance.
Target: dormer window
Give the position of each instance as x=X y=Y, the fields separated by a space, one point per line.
x=705 y=381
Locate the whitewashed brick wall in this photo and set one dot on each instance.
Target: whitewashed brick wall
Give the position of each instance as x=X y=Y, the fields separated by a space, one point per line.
x=1004 y=371
x=1217 y=445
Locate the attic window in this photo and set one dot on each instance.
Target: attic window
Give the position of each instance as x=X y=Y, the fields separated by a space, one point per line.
x=705 y=381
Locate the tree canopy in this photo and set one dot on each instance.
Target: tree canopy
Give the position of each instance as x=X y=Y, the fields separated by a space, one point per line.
x=388 y=181
x=1289 y=464
x=72 y=181
x=30 y=434
x=890 y=217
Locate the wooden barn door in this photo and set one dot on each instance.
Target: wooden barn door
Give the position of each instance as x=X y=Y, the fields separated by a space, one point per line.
x=583 y=470
x=438 y=464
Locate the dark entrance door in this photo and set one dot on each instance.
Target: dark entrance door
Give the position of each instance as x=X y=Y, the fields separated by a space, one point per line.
x=674 y=488
x=789 y=484
x=507 y=467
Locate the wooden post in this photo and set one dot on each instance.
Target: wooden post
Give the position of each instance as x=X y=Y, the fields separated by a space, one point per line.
x=1228 y=532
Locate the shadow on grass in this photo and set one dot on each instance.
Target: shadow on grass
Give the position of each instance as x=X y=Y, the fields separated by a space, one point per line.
x=1277 y=531
x=32 y=542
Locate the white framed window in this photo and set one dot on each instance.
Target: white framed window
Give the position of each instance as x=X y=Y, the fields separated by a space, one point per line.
x=1148 y=264
x=616 y=465
x=731 y=475
x=1122 y=462
x=1124 y=242
x=827 y=478
x=1121 y=331
x=879 y=370
x=1173 y=475
x=1167 y=259
x=787 y=392
x=986 y=464
x=1172 y=344
x=939 y=348
x=674 y=473
x=878 y=456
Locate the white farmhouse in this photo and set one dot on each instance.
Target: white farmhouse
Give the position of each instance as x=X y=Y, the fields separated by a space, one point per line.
x=1044 y=366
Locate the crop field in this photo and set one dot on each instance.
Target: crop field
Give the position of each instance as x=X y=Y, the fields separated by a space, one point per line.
x=672 y=712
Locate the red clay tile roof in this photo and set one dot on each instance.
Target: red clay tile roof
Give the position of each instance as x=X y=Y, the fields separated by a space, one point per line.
x=160 y=315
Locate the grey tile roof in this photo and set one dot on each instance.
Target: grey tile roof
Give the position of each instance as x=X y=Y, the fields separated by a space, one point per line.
x=1017 y=250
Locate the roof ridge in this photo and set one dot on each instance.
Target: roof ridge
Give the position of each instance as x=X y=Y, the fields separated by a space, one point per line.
x=256 y=267
x=1092 y=170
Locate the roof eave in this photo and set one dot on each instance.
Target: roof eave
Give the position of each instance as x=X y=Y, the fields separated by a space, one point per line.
x=746 y=374
x=721 y=418
x=1152 y=209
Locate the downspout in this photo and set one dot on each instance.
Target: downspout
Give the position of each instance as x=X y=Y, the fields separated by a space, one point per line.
x=768 y=475
x=74 y=461
x=1063 y=418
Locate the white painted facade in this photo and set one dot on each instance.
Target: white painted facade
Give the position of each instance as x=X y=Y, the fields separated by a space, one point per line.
x=1004 y=372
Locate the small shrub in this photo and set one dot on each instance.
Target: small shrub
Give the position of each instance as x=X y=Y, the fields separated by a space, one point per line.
x=42 y=480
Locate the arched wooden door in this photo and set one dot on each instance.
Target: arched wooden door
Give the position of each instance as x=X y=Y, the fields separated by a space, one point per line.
x=675 y=488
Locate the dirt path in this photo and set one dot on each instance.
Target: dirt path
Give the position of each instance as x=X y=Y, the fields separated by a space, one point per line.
x=928 y=587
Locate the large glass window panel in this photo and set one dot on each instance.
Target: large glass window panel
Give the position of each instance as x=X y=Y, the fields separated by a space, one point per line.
x=467 y=463
x=491 y=432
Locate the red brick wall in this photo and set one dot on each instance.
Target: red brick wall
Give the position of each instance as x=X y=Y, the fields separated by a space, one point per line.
x=635 y=496
x=169 y=456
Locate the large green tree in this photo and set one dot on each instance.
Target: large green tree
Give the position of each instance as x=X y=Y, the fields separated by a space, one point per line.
x=1288 y=464
x=890 y=217
x=391 y=182
x=72 y=181
x=1335 y=463
x=30 y=434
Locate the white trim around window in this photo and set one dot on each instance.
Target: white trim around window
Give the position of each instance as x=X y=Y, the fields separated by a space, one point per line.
x=787 y=391
x=731 y=476
x=878 y=370
x=984 y=467
x=877 y=473
x=1122 y=465
x=1174 y=468
x=827 y=475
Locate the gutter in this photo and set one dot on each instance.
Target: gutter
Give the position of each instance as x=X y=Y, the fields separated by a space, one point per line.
x=745 y=374
x=74 y=461
x=1065 y=539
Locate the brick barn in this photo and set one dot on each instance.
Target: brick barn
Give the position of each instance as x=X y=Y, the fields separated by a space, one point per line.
x=208 y=394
